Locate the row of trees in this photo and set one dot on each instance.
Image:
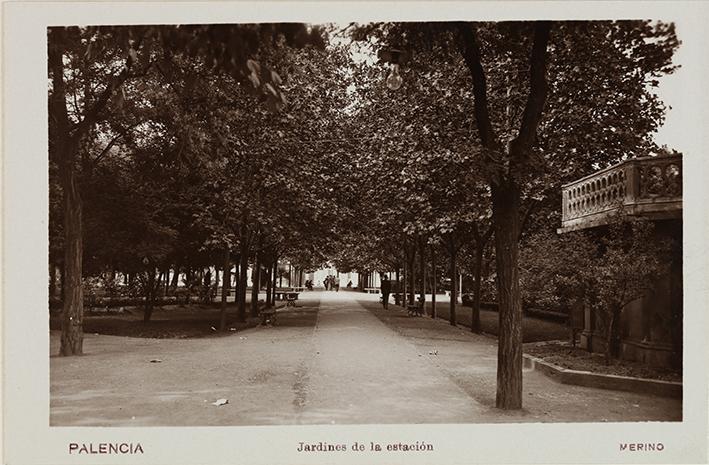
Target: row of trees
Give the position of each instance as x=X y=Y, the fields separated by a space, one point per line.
x=491 y=120
x=212 y=145
x=167 y=152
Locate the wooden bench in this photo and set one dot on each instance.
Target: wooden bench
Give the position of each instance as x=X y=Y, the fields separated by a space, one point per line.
x=286 y=294
x=415 y=309
x=290 y=298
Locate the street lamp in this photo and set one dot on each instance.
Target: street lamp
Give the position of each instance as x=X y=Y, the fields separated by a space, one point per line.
x=394 y=80
x=395 y=58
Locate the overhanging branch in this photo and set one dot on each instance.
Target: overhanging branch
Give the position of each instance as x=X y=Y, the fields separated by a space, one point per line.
x=538 y=89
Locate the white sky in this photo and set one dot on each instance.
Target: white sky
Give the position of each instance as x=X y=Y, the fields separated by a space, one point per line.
x=673 y=91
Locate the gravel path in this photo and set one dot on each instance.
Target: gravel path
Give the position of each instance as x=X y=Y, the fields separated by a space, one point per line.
x=336 y=358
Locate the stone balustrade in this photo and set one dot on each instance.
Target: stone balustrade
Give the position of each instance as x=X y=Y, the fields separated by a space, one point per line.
x=648 y=187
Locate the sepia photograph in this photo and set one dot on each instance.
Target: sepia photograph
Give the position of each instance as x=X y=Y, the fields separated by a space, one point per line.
x=367 y=226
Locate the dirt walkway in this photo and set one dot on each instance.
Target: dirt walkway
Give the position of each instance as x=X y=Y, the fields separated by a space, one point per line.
x=337 y=358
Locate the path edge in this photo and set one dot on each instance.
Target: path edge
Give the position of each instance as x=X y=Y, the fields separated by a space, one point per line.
x=596 y=380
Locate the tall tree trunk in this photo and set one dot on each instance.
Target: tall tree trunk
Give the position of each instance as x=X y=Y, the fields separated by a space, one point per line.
x=475 y=324
x=269 y=282
x=434 y=282
x=166 y=286
x=422 y=270
x=505 y=211
x=64 y=148
x=52 y=280
x=405 y=283
x=241 y=291
x=454 y=287
x=275 y=273
x=255 y=286
x=149 y=295
x=175 y=278
x=613 y=336
x=226 y=284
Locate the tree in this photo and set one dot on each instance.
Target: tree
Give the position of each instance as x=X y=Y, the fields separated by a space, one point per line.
x=88 y=68
x=515 y=70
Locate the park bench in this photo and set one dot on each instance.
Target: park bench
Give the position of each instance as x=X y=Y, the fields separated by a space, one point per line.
x=290 y=298
x=371 y=290
x=280 y=294
x=416 y=309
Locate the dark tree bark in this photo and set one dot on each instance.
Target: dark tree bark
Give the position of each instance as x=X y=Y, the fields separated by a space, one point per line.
x=175 y=278
x=64 y=148
x=422 y=268
x=454 y=286
x=434 y=282
x=269 y=281
x=477 y=277
x=226 y=284
x=505 y=211
x=480 y=245
x=149 y=295
x=52 y=280
x=273 y=287
x=613 y=335
x=506 y=198
x=241 y=288
x=405 y=283
x=255 y=286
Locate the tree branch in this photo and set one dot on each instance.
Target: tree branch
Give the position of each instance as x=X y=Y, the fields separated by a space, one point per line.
x=113 y=142
x=536 y=100
x=470 y=50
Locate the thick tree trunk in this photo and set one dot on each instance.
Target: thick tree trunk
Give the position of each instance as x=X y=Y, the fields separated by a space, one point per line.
x=505 y=211
x=73 y=300
x=64 y=147
x=175 y=278
x=434 y=282
x=475 y=325
x=226 y=283
x=52 y=280
x=454 y=289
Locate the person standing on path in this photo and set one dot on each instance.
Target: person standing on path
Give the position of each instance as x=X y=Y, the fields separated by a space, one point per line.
x=337 y=284
x=386 y=289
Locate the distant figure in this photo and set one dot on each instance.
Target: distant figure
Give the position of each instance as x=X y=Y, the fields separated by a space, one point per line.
x=337 y=284
x=349 y=285
x=386 y=289
x=309 y=285
x=326 y=283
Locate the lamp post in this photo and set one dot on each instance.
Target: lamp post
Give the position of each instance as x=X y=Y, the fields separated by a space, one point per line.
x=395 y=58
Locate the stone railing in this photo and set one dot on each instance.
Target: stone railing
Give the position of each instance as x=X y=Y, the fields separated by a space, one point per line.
x=648 y=186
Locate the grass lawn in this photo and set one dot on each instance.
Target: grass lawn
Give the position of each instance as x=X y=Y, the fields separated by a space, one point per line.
x=574 y=358
x=169 y=321
x=533 y=329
